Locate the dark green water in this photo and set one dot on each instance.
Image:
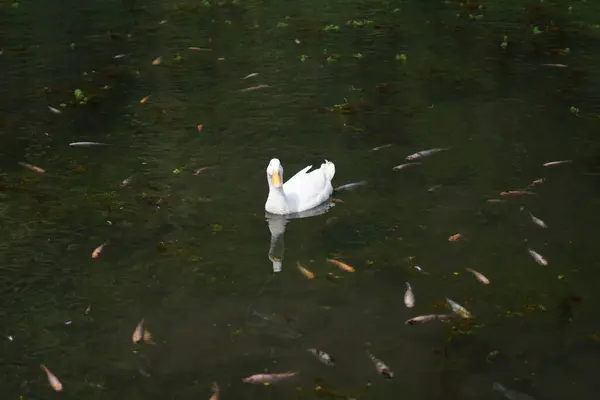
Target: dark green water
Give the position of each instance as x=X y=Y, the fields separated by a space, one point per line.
x=190 y=253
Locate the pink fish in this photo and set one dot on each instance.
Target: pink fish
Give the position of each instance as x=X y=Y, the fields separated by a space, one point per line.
x=268 y=378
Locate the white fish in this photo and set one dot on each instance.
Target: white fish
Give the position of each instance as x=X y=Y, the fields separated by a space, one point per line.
x=425 y=153
x=402 y=166
x=383 y=146
x=120 y=56
x=126 y=181
x=537 y=257
x=511 y=394
x=350 y=186
x=538 y=221
x=458 y=309
x=421 y=319
x=86 y=144
x=55 y=110
x=552 y=163
x=480 y=277
x=409 y=297
x=381 y=367
x=252 y=75
x=322 y=356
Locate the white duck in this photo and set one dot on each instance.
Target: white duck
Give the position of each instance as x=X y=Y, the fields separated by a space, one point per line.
x=301 y=192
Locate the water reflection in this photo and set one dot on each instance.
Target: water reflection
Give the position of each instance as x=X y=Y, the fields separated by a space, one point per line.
x=277 y=225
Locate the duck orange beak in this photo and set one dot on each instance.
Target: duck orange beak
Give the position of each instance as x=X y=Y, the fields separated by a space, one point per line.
x=276 y=179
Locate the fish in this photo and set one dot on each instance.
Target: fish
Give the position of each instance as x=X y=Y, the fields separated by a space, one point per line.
x=52 y=379
x=491 y=201
x=126 y=181
x=381 y=368
x=421 y=319
x=198 y=49
x=552 y=163
x=268 y=378
x=157 y=61
x=538 y=181
x=145 y=99
x=383 y=146
x=538 y=221
x=120 y=56
x=425 y=153
x=54 y=110
x=216 y=392
x=138 y=333
x=556 y=65
x=196 y=172
x=409 y=297
x=304 y=271
x=510 y=394
x=199 y=128
x=480 y=277
x=257 y=87
x=537 y=257
x=516 y=193
x=350 y=186
x=86 y=144
x=34 y=168
x=322 y=357
x=491 y=355
x=402 y=166
x=458 y=309
x=252 y=75
x=147 y=336
x=98 y=250
x=341 y=265
x=455 y=237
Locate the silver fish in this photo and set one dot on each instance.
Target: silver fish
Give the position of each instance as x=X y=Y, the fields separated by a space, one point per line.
x=322 y=357
x=458 y=309
x=421 y=319
x=402 y=166
x=425 y=153
x=86 y=144
x=552 y=163
x=511 y=394
x=381 y=368
x=54 y=110
x=126 y=181
x=538 y=221
x=409 y=297
x=384 y=146
x=538 y=257
x=257 y=87
x=350 y=186
x=252 y=75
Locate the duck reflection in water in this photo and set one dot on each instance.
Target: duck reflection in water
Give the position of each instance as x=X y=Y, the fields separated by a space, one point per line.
x=277 y=225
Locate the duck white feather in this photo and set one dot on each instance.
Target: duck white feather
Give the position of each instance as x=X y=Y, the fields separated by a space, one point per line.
x=301 y=192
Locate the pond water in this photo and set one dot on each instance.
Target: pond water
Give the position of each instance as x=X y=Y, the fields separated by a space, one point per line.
x=504 y=86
